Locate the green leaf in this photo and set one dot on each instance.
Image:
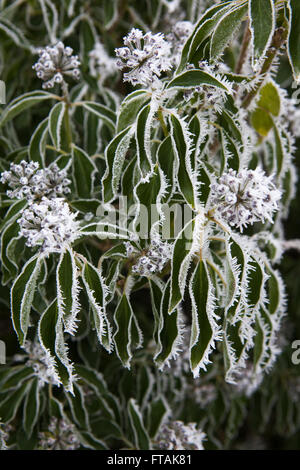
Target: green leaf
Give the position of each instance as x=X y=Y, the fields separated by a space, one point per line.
x=182 y=149
x=262 y=25
x=269 y=99
x=22 y=294
x=23 y=102
x=84 y=171
x=141 y=438
x=225 y=30
x=68 y=290
x=126 y=326
x=205 y=330
x=102 y=112
x=14 y=33
x=167 y=159
x=37 y=144
x=193 y=78
x=97 y=292
x=56 y=118
x=169 y=332
x=115 y=155
x=158 y=411
x=130 y=108
x=11 y=403
x=31 y=407
x=50 y=331
x=143 y=130
x=261 y=121
x=294 y=38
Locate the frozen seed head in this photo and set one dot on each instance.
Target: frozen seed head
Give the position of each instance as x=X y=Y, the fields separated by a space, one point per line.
x=60 y=435
x=101 y=64
x=180 y=32
x=55 y=63
x=152 y=260
x=28 y=182
x=145 y=57
x=179 y=436
x=245 y=197
x=49 y=224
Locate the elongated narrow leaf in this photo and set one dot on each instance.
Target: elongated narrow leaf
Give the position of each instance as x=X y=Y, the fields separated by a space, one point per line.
x=205 y=330
x=37 y=144
x=56 y=117
x=126 y=334
x=169 y=332
x=182 y=147
x=84 y=171
x=31 y=407
x=51 y=337
x=142 y=440
x=23 y=102
x=262 y=24
x=225 y=30
x=130 y=108
x=97 y=292
x=22 y=294
x=115 y=155
x=193 y=78
x=102 y=112
x=294 y=38
x=68 y=290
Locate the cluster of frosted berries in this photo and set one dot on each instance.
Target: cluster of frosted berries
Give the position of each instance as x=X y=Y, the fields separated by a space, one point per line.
x=245 y=197
x=101 y=64
x=179 y=436
x=55 y=63
x=204 y=394
x=152 y=260
x=145 y=57
x=49 y=224
x=41 y=363
x=60 y=435
x=28 y=182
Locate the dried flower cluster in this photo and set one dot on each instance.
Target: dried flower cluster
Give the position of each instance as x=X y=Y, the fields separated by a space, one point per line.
x=153 y=260
x=245 y=197
x=59 y=436
x=179 y=436
x=55 y=63
x=49 y=225
x=101 y=64
x=29 y=182
x=145 y=56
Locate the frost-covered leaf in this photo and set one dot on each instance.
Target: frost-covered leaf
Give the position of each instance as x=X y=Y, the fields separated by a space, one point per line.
x=56 y=118
x=205 y=330
x=22 y=294
x=262 y=25
x=31 y=407
x=141 y=438
x=68 y=290
x=293 y=39
x=130 y=108
x=37 y=144
x=96 y=290
x=84 y=171
x=193 y=78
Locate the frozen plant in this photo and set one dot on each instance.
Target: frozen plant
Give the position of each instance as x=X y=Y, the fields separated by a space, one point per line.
x=153 y=259
x=180 y=33
x=49 y=225
x=59 y=436
x=42 y=363
x=55 y=63
x=179 y=436
x=101 y=64
x=145 y=56
x=245 y=197
x=27 y=181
